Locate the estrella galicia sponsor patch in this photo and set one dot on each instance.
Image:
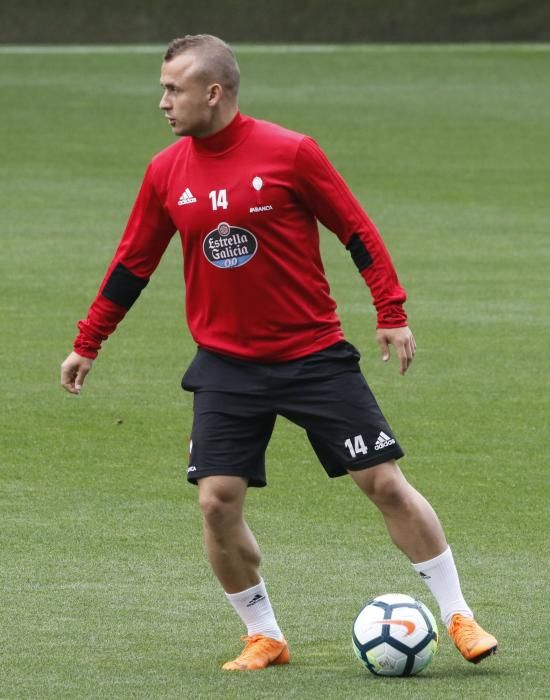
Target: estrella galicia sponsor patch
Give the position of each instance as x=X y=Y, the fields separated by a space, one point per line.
x=229 y=246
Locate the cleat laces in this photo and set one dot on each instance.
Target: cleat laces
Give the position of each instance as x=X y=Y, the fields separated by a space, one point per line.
x=465 y=632
x=249 y=651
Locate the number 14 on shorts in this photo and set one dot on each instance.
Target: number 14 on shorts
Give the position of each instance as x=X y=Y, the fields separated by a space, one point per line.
x=357 y=446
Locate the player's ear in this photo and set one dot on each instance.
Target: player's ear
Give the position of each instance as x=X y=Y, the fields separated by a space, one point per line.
x=215 y=92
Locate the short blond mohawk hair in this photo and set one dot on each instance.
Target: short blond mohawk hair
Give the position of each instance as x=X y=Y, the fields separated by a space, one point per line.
x=218 y=62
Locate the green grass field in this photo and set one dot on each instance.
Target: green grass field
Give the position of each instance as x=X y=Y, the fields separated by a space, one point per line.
x=105 y=591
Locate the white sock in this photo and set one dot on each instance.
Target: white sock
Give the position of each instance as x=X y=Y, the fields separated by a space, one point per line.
x=441 y=577
x=254 y=609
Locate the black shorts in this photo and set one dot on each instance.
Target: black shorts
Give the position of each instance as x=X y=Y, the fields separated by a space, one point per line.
x=236 y=403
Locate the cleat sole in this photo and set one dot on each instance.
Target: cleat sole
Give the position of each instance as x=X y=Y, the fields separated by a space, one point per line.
x=484 y=655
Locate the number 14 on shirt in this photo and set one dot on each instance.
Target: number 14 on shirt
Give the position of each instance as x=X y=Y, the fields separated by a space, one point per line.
x=218 y=199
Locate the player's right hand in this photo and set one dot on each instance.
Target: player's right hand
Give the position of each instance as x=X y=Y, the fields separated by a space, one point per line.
x=74 y=371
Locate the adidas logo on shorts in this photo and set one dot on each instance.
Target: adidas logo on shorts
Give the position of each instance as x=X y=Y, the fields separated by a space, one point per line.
x=383 y=441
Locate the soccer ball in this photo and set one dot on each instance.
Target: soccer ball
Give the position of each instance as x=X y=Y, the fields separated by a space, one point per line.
x=395 y=635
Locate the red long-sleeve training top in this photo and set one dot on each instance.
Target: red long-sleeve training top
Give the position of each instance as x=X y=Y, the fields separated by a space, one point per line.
x=246 y=201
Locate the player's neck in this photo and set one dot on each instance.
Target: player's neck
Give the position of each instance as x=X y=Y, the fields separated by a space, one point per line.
x=221 y=119
x=226 y=138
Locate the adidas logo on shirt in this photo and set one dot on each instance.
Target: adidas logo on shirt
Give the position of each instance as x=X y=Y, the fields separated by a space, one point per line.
x=383 y=441
x=186 y=198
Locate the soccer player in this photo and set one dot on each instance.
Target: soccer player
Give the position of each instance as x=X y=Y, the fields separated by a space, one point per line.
x=245 y=196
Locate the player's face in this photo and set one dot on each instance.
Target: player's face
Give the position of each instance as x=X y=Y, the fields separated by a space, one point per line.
x=187 y=97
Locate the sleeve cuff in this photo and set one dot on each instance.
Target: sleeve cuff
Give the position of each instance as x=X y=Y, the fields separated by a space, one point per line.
x=86 y=348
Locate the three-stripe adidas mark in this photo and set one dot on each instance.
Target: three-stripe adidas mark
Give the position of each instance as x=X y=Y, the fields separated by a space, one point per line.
x=186 y=198
x=255 y=599
x=383 y=440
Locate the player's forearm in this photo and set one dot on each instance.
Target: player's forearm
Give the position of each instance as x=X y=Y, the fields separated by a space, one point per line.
x=118 y=293
x=102 y=319
x=374 y=263
x=388 y=300
x=376 y=267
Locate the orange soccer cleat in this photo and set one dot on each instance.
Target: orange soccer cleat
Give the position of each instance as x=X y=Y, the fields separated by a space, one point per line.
x=259 y=652
x=471 y=640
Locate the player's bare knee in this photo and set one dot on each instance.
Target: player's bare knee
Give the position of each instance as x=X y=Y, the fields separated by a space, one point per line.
x=386 y=493
x=216 y=511
x=387 y=488
x=220 y=509
x=393 y=495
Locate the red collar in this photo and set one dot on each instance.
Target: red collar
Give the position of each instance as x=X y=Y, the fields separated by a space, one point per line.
x=226 y=139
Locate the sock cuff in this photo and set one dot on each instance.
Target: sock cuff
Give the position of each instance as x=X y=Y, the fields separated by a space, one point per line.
x=439 y=559
x=260 y=586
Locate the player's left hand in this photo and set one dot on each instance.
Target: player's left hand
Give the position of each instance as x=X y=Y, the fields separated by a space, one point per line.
x=403 y=341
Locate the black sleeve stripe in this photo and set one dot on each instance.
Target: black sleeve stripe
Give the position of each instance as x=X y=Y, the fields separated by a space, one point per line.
x=123 y=287
x=359 y=253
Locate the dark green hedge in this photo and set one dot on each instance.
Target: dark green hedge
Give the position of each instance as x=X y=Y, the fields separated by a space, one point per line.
x=150 y=21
